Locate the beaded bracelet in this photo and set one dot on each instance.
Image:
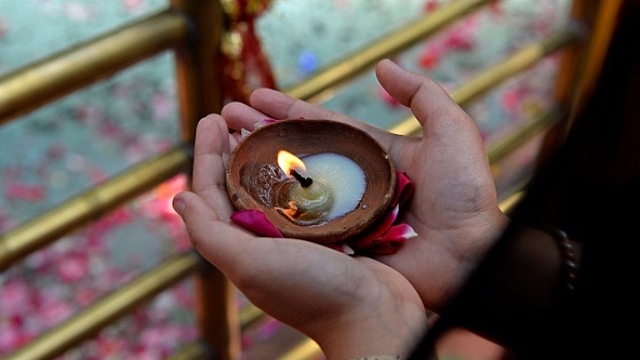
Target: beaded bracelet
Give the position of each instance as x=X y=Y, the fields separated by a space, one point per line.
x=570 y=267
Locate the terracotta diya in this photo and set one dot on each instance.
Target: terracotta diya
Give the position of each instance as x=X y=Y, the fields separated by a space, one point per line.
x=317 y=180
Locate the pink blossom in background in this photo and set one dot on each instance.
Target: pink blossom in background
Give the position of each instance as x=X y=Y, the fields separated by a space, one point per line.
x=269 y=328
x=86 y=113
x=157 y=206
x=24 y=192
x=429 y=58
x=3 y=27
x=56 y=151
x=14 y=295
x=12 y=338
x=133 y=6
x=78 y=12
x=72 y=267
x=430 y=6
x=511 y=99
x=53 y=311
x=84 y=296
x=461 y=37
x=386 y=98
x=162 y=105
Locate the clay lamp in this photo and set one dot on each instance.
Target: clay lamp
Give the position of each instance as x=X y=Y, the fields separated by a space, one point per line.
x=318 y=180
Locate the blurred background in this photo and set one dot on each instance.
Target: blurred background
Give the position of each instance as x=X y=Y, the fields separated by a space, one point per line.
x=46 y=158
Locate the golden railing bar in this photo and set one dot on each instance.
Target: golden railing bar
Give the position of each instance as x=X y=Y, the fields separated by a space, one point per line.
x=511 y=200
x=306 y=349
x=32 y=235
x=493 y=76
x=250 y=314
x=514 y=64
x=581 y=65
x=108 y=309
x=62 y=73
x=387 y=46
x=194 y=351
x=505 y=145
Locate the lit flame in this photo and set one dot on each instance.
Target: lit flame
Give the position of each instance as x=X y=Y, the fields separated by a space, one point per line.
x=287 y=162
x=291 y=211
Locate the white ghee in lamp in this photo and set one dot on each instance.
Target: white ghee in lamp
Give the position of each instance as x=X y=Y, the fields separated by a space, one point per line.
x=345 y=178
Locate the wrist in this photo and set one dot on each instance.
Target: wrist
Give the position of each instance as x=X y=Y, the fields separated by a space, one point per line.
x=379 y=325
x=570 y=254
x=380 y=336
x=516 y=287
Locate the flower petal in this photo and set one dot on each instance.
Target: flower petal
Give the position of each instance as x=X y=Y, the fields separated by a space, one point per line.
x=257 y=222
x=404 y=189
x=263 y=122
x=399 y=232
x=375 y=231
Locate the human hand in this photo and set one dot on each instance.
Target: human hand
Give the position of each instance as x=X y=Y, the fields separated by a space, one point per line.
x=351 y=306
x=454 y=209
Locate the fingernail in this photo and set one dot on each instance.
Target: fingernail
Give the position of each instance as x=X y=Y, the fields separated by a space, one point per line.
x=179 y=205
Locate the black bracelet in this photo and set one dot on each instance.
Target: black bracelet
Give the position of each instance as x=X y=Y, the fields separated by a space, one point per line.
x=570 y=266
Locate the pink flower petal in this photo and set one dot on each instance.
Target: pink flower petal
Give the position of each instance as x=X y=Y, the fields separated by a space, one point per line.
x=376 y=231
x=257 y=222
x=391 y=241
x=18 y=191
x=404 y=189
x=376 y=240
x=263 y=122
x=384 y=248
x=399 y=232
x=388 y=99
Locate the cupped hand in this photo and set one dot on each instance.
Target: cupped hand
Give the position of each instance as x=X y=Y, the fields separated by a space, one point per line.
x=454 y=209
x=351 y=306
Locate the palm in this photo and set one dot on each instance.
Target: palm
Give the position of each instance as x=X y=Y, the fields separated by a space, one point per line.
x=454 y=212
x=309 y=286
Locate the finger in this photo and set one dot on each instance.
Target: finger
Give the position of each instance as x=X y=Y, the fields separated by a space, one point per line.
x=210 y=152
x=241 y=116
x=281 y=106
x=429 y=102
x=271 y=104
x=278 y=105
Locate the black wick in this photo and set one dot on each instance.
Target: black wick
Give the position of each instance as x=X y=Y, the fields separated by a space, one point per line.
x=304 y=181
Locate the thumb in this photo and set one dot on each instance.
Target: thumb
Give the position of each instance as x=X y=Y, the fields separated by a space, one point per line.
x=429 y=102
x=192 y=208
x=213 y=238
x=233 y=251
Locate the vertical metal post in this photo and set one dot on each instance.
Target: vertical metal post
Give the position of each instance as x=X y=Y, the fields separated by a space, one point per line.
x=198 y=63
x=575 y=83
x=581 y=63
x=200 y=92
